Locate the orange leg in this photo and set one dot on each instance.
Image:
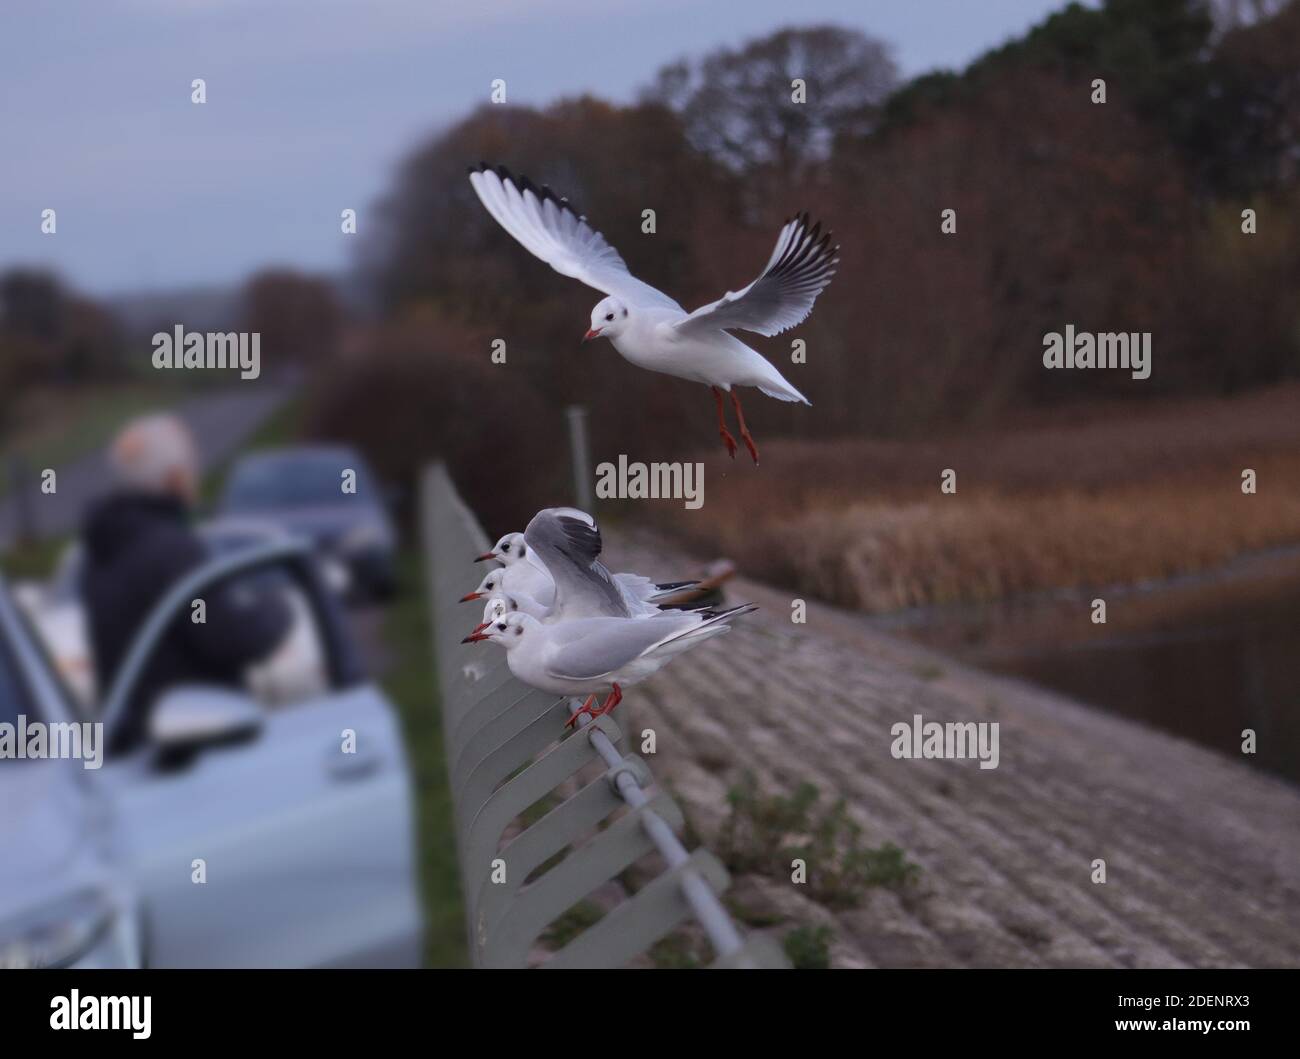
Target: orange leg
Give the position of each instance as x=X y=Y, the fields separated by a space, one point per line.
x=614 y=698
x=744 y=430
x=585 y=708
x=723 y=432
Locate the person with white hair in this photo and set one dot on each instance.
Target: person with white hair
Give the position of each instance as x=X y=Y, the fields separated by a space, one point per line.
x=137 y=542
x=156 y=454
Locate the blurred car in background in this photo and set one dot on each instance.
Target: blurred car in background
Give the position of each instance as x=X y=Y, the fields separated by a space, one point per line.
x=301 y=489
x=245 y=833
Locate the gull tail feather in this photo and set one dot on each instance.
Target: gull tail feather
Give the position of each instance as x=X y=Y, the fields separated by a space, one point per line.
x=786 y=393
x=715 y=621
x=669 y=588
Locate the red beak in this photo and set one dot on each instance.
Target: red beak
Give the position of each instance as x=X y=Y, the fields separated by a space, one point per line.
x=471 y=595
x=593 y=333
x=484 y=556
x=476 y=634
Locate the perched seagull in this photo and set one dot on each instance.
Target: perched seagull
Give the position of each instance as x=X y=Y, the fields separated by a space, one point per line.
x=567 y=542
x=646 y=326
x=509 y=580
x=590 y=655
x=527 y=573
x=555 y=563
x=499 y=605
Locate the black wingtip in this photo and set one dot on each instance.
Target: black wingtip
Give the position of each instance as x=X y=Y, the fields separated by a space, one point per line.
x=815 y=233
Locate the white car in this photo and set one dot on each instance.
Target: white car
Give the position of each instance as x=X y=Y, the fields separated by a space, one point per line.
x=238 y=836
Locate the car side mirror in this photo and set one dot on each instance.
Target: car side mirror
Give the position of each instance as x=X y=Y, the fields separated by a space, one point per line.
x=193 y=716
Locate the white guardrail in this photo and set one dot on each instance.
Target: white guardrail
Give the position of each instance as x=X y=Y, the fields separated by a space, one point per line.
x=507 y=750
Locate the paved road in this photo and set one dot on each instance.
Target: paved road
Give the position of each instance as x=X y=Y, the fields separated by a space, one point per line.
x=1202 y=851
x=221 y=423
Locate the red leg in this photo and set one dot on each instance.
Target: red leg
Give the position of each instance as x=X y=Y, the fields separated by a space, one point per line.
x=744 y=430
x=614 y=698
x=585 y=708
x=723 y=432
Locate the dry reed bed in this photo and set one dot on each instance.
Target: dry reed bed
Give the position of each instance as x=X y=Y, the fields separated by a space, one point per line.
x=1128 y=494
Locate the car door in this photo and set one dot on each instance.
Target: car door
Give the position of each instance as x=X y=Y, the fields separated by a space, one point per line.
x=292 y=848
x=63 y=901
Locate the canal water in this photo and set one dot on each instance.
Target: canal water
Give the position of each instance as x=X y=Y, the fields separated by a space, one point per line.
x=1202 y=657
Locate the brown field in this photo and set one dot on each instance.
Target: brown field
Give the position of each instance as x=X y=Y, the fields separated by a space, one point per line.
x=1080 y=497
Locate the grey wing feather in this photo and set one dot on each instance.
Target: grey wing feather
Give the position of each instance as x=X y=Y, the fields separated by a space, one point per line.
x=595 y=647
x=799 y=269
x=548 y=228
x=568 y=542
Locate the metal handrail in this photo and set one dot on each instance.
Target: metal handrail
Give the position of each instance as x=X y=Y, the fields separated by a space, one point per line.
x=507 y=749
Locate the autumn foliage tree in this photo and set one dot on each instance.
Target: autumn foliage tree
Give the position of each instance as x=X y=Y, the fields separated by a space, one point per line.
x=1117 y=216
x=298 y=316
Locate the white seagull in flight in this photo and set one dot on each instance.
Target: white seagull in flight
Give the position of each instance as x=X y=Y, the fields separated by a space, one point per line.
x=646 y=326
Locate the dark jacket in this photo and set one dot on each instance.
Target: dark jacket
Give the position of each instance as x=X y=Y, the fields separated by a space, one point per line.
x=135 y=547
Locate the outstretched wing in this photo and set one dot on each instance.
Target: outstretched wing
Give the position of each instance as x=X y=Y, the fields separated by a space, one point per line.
x=548 y=228
x=800 y=268
x=568 y=542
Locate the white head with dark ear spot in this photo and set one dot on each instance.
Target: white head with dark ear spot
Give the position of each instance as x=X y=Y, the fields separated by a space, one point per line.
x=512 y=630
x=490 y=584
x=608 y=320
x=510 y=549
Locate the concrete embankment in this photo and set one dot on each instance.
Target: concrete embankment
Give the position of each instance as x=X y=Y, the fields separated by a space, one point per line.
x=1202 y=852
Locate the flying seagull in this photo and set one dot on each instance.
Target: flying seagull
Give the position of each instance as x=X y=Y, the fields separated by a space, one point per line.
x=646 y=326
x=524 y=572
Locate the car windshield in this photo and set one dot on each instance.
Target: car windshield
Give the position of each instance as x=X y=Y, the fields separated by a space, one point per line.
x=291 y=481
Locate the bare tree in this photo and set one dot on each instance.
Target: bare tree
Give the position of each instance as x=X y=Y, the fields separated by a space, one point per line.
x=297 y=315
x=740 y=105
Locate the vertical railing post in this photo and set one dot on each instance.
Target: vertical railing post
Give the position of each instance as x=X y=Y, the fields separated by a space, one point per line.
x=580 y=450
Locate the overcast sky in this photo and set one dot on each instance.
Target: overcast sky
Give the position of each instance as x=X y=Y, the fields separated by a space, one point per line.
x=311 y=102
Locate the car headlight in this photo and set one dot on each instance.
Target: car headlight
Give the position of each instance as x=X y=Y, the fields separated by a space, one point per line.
x=56 y=935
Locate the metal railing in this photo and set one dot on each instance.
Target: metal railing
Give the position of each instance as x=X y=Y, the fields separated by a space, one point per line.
x=507 y=751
